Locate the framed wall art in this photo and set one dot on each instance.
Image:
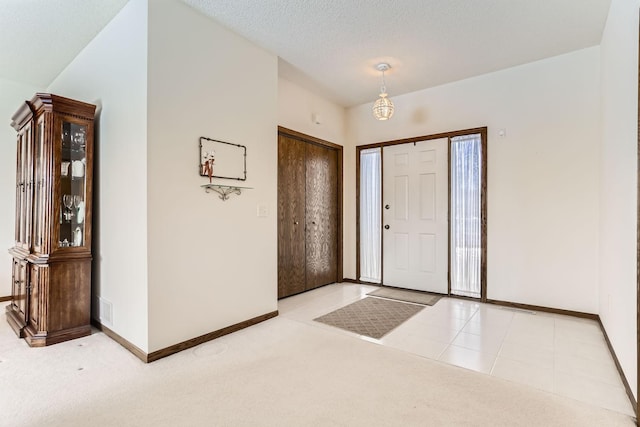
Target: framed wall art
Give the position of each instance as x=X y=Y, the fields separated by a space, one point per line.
x=220 y=159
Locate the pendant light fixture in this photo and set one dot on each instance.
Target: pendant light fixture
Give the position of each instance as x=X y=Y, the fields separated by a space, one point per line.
x=383 y=107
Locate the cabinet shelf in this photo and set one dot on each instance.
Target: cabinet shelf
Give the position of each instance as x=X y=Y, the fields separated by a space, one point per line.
x=224 y=190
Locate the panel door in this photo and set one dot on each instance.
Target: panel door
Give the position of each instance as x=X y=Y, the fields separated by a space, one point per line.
x=321 y=215
x=291 y=216
x=19 y=297
x=415 y=216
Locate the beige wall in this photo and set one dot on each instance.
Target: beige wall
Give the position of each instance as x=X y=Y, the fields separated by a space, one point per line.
x=111 y=72
x=297 y=107
x=212 y=263
x=542 y=177
x=618 y=182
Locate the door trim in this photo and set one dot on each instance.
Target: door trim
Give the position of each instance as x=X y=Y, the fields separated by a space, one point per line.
x=483 y=196
x=636 y=404
x=339 y=149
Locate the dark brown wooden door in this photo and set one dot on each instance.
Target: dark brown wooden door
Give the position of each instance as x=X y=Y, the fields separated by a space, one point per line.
x=291 y=216
x=321 y=215
x=308 y=215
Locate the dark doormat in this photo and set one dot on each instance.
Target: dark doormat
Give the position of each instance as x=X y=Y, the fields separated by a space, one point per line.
x=372 y=317
x=406 y=295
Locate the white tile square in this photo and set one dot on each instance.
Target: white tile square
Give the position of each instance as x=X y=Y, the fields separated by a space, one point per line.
x=481 y=343
x=531 y=330
x=603 y=371
x=469 y=359
x=493 y=316
x=594 y=351
x=542 y=357
x=524 y=373
x=445 y=320
x=498 y=331
x=594 y=392
x=581 y=332
x=413 y=344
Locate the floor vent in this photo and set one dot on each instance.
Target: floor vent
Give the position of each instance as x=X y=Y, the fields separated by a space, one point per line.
x=106 y=311
x=519 y=310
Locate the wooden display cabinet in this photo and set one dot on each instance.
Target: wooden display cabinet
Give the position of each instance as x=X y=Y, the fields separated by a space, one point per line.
x=51 y=291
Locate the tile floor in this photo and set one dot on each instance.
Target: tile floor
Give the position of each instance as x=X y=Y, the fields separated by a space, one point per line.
x=559 y=354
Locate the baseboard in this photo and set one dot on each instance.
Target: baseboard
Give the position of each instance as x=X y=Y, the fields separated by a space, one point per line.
x=159 y=354
x=7 y=298
x=176 y=348
x=627 y=387
x=346 y=280
x=123 y=342
x=544 y=309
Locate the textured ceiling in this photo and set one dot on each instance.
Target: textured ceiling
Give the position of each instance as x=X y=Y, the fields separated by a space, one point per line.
x=334 y=44
x=39 y=38
x=331 y=46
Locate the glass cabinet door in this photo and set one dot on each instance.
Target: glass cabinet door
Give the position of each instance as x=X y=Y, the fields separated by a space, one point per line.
x=72 y=185
x=28 y=188
x=23 y=186
x=38 y=183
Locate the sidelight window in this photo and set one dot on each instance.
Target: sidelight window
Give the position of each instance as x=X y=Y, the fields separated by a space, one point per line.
x=370 y=215
x=466 y=247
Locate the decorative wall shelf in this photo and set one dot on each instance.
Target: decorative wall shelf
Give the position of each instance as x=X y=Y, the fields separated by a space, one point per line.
x=224 y=190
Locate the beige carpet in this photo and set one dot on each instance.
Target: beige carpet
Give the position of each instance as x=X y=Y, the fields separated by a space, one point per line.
x=406 y=295
x=279 y=373
x=371 y=317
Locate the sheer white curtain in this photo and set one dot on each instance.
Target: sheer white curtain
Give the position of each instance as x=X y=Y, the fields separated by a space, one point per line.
x=370 y=215
x=466 y=163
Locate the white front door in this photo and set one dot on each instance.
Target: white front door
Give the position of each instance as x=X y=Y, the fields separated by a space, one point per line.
x=415 y=215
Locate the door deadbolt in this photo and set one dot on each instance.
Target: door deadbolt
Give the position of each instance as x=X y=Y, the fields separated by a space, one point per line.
x=387 y=207
x=386 y=227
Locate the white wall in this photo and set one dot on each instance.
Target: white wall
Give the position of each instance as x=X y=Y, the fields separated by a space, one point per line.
x=618 y=186
x=212 y=263
x=12 y=96
x=111 y=72
x=296 y=107
x=542 y=177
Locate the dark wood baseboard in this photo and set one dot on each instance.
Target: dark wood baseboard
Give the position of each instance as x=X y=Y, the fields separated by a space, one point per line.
x=123 y=342
x=7 y=298
x=176 y=348
x=346 y=280
x=544 y=309
x=627 y=387
x=159 y=354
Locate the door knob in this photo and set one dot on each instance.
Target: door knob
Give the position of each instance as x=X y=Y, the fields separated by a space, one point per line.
x=387 y=207
x=386 y=227
x=295 y=222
